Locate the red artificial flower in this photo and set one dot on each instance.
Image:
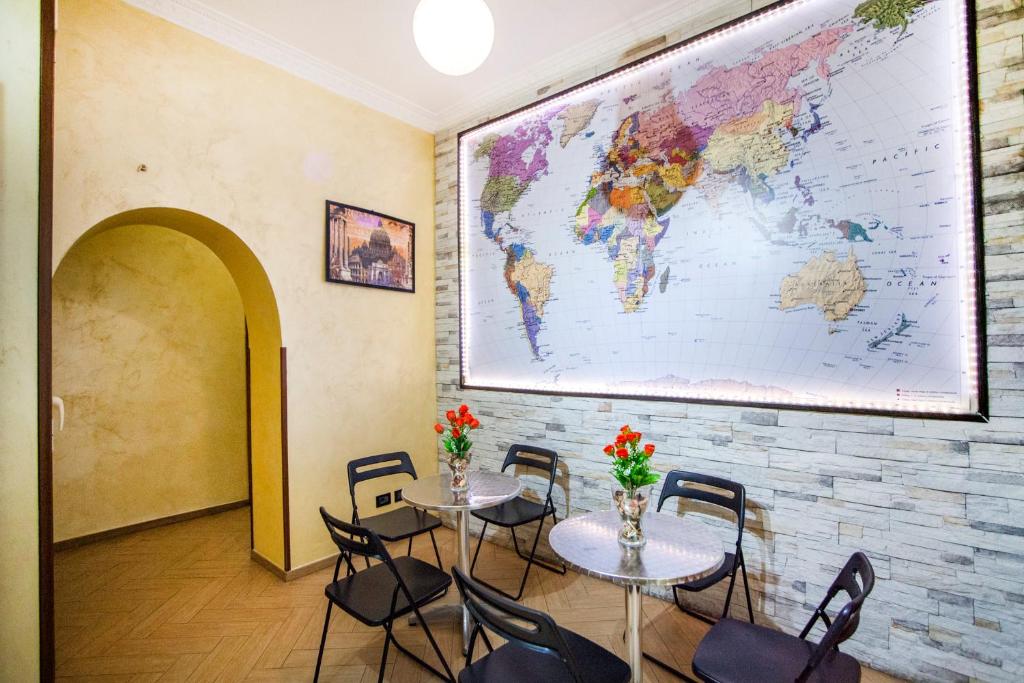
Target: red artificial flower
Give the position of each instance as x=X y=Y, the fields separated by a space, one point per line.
x=456 y=433
x=649 y=450
x=635 y=437
x=463 y=409
x=438 y=428
x=475 y=423
x=460 y=421
x=609 y=449
x=620 y=440
x=622 y=453
x=450 y=415
x=625 y=429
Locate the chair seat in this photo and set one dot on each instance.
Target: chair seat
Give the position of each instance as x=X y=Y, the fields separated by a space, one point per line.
x=366 y=595
x=513 y=513
x=512 y=662
x=737 y=651
x=712 y=578
x=401 y=523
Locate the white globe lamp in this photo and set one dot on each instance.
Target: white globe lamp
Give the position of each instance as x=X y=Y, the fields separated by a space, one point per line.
x=454 y=36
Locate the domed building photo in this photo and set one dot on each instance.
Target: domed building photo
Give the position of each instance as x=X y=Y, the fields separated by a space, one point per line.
x=367 y=248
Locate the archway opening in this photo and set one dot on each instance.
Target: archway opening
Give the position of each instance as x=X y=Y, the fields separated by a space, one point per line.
x=267 y=427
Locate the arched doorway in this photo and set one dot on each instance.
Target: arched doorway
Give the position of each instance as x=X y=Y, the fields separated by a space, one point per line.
x=268 y=431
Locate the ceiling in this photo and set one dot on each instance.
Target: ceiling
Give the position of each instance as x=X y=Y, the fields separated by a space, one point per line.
x=365 y=50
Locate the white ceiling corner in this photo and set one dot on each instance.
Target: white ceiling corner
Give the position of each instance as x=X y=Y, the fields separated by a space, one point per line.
x=367 y=52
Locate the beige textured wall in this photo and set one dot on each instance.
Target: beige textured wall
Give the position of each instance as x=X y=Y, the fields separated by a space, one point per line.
x=149 y=357
x=19 y=187
x=259 y=151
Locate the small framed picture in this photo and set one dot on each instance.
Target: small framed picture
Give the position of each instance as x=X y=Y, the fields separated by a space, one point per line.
x=369 y=248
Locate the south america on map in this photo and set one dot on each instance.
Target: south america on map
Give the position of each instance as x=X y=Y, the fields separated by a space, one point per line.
x=778 y=214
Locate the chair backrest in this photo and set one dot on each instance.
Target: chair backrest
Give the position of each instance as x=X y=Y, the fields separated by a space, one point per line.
x=675 y=486
x=354 y=540
x=848 y=617
x=516 y=623
x=363 y=469
x=543 y=459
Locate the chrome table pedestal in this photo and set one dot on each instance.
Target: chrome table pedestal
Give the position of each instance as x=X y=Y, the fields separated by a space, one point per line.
x=486 y=489
x=677 y=551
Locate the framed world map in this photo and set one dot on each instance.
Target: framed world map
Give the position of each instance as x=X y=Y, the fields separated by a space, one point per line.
x=782 y=211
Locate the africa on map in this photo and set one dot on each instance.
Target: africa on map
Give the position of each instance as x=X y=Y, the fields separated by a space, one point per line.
x=781 y=213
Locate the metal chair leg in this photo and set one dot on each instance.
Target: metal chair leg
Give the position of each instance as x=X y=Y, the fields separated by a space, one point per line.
x=531 y=559
x=728 y=593
x=384 y=653
x=544 y=564
x=323 y=641
x=476 y=553
x=433 y=644
x=437 y=554
x=746 y=588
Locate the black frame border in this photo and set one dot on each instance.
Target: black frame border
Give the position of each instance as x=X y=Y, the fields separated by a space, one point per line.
x=981 y=347
x=327 y=247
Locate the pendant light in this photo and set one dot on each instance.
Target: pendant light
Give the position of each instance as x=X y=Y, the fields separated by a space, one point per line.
x=454 y=36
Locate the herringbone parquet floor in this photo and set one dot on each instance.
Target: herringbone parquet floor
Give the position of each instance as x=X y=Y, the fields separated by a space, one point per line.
x=185 y=603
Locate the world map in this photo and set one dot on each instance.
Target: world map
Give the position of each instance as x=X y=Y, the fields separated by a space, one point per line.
x=778 y=213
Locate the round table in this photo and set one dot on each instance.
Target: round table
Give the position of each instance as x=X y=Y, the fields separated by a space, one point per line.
x=486 y=489
x=677 y=551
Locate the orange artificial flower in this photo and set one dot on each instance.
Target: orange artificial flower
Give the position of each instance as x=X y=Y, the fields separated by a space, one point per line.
x=609 y=449
x=438 y=428
x=635 y=437
x=625 y=429
x=622 y=453
x=649 y=450
x=463 y=409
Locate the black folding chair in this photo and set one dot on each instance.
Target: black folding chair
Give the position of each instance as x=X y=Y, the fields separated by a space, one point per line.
x=401 y=523
x=675 y=486
x=538 y=649
x=734 y=651
x=380 y=594
x=521 y=511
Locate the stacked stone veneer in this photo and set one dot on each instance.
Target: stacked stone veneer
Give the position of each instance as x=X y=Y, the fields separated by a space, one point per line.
x=937 y=505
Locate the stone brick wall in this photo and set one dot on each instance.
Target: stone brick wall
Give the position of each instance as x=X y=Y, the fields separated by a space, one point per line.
x=938 y=505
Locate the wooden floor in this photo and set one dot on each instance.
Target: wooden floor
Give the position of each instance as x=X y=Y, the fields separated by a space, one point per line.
x=185 y=602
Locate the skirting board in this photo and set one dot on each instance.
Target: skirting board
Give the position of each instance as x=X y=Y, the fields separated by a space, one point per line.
x=298 y=572
x=79 y=541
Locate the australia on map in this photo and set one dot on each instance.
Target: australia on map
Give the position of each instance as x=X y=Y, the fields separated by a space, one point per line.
x=741 y=219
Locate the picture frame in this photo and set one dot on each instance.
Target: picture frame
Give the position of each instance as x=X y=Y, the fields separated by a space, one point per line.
x=368 y=248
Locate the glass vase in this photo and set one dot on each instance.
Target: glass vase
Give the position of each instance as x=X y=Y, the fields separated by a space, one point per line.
x=459 y=467
x=631 y=505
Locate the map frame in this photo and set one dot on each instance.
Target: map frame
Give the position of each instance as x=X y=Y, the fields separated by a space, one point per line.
x=980 y=400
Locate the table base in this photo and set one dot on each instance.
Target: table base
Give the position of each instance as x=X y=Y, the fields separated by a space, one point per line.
x=669 y=668
x=633 y=637
x=448 y=613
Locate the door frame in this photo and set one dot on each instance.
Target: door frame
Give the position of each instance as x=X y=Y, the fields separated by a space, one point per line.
x=44 y=322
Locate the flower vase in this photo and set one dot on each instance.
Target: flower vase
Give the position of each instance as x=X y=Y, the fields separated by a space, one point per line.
x=632 y=504
x=459 y=466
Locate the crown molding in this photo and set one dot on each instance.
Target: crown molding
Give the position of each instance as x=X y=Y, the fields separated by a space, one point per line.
x=567 y=66
x=210 y=23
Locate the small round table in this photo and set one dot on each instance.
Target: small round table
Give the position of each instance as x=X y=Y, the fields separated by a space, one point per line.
x=486 y=489
x=677 y=551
